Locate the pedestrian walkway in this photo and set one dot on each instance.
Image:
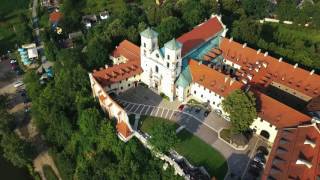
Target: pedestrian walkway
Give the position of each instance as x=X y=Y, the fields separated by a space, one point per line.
x=205 y=129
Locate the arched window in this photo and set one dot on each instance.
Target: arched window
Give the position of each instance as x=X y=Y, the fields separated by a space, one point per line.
x=157 y=69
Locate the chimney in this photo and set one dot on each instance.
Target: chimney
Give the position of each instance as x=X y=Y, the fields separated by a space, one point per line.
x=295 y=66
x=244 y=45
x=264 y=64
x=259 y=50
x=245 y=81
x=226 y=79
x=312 y=72
x=280 y=59
x=310 y=142
x=266 y=54
x=106 y=66
x=304 y=162
x=231 y=39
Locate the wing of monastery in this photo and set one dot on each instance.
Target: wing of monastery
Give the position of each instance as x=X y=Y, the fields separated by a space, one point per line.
x=207 y=66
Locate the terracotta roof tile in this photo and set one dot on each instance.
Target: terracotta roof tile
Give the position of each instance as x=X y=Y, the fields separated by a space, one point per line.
x=123 y=71
x=128 y=50
x=199 y=35
x=290 y=145
x=55 y=17
x=278 y=114
x=283 y=73
x=212 y=79
x=123 y=129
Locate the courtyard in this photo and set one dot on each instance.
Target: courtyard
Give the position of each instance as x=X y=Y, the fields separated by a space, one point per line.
x=193 y=148
x=146 y=102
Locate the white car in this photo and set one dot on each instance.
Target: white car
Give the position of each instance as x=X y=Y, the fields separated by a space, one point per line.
x=18 y=84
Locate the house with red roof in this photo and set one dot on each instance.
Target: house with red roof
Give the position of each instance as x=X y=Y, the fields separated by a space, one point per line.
x=295 y=154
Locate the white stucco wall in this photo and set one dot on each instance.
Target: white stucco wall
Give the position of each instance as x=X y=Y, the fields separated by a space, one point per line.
x=123 y=85
x=160 y=70
x=260 y=125
x=108 y=104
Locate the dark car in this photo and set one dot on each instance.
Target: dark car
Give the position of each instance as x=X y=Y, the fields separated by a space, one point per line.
x=206 y=113
x=259 y=157
x=181 y=107
x=256 y=165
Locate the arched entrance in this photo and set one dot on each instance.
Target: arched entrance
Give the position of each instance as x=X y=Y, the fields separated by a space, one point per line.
x=265 y=134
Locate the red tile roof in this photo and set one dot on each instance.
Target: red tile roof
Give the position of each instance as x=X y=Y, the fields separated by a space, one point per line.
x=117 y=73
x=55 y=17
x=212 y=79
x=123 y=71
x=128 y=50
x=291 y=145
x=278 y=114
x=200 y=34
x=123 y=129
x=280 y=72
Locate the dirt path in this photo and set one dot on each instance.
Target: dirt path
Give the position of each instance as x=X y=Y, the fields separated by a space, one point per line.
x=45 y=159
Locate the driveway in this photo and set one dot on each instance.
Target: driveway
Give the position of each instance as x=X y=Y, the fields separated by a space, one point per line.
x=143 y=101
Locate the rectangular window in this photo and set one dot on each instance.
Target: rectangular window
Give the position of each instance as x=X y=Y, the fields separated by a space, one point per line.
x=121 y=87
x=129 y=85
x=168 y=57
x=201 y=95
x=168 y=65
x=144 y=45
x=194 y=92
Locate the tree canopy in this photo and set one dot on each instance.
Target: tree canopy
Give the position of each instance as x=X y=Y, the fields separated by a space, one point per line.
x=163 y=136
x=241 y=108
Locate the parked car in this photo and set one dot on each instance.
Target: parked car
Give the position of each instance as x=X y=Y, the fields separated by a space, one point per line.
x=256 y=165
x=206 y=113
x=181 y=107
x=18 y=84
x=198 y=109
x=259 y=157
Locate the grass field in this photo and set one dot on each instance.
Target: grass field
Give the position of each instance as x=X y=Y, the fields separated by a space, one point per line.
x=14 y=23
x=193 y=148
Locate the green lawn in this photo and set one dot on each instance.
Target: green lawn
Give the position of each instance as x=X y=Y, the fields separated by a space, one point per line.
x=193 y=148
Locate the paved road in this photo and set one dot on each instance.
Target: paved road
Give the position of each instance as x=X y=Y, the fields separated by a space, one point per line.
x=237 y=160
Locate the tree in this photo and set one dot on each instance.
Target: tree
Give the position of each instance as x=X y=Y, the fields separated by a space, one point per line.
x=241 y=108
x=286 y=10
x=97 y=54
x=169 y=28
x=16 y=150
x=163 y=136
x=256 y=8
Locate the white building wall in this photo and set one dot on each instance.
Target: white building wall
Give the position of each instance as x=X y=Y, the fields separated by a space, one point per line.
x=260 y=125
x=123 y=85
x=109 y=105
x=160 y=72
x=203 y=94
